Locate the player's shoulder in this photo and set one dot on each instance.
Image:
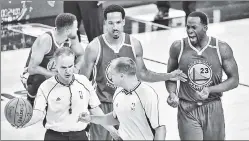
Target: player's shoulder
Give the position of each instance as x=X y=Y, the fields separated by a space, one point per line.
x=176 y=44
x=43 y=42
x=224 y=48
x=134 y=40
x=93 y=47
x=45 y=37
x=95 y=42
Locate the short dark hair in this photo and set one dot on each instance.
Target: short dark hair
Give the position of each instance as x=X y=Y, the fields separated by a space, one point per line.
x=114 y=8
x=63 y=51
x=64 y=20
x=203 y=17
x=125 y=65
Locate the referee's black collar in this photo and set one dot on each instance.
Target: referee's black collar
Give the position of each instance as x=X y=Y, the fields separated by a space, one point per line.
x=132 y=90
x=67 y=85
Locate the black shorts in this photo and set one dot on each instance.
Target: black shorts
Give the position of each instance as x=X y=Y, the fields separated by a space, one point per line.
x=54 y=135
x=33 y=83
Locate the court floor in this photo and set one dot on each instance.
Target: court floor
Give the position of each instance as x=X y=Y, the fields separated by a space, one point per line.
x=156 y=46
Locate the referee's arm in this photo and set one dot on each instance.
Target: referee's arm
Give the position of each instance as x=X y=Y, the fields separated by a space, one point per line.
x=39 y=108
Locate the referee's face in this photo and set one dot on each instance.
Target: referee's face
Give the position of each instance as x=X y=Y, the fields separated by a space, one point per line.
x=114 y=24
x=65 y=65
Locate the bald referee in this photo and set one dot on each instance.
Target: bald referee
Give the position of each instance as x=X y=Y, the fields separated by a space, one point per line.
x=136 y=106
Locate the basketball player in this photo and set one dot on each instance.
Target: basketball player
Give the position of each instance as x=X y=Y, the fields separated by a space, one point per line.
x=202 y=57
x=136 y=106
x=62 y=98
x=106 y=47
x=40 y=62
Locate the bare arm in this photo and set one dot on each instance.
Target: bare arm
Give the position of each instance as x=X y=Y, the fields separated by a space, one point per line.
x=79 y=52
x=160 y=133
x=98 y=117
x=143 y=73
x=39 y=110
x=230 y=68
x=36 y=117
x=105 y=119
x=173 y=65
x=90 y=57
x=40 y=47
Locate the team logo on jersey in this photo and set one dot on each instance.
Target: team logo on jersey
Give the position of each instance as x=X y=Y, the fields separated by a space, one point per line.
x=108 y=77
x=51 y=65
x=200 y=74
x=133 y=106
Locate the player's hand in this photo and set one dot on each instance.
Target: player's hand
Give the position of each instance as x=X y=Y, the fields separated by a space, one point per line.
x=178 y=75
x=173 y=100
x=204 y=93
x=115 y=135
x=84 y=117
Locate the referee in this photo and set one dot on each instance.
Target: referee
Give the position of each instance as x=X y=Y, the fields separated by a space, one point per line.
x=61 y=99
x=137 y=108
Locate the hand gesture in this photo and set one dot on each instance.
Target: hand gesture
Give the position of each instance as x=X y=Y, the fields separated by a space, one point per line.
x=178 y=75
x=203 y=94
x=173 y=100
x=84 y=117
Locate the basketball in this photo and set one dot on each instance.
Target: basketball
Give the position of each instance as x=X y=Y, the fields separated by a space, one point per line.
x=18 y=111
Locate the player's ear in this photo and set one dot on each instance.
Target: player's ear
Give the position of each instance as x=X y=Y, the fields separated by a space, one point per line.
x=122 y=75
x=123 y=21
x=205 y=27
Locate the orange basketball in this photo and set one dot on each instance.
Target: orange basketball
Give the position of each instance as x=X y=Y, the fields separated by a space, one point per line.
x=18 y=111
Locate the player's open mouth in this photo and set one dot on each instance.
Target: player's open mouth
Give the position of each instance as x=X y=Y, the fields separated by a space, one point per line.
x=192 y=38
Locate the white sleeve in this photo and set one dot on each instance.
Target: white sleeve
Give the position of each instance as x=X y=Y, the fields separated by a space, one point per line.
x=155 y=109
x=40 y=101
x=94 y=100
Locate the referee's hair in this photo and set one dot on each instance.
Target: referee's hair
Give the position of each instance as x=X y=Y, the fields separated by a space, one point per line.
x=125 y=65
x=64 y=20
x=63 y=51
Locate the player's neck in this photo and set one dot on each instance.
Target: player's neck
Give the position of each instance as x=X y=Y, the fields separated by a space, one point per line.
x=131 y=84
x=59 y=38
x=203 y=42
x=114 y=42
